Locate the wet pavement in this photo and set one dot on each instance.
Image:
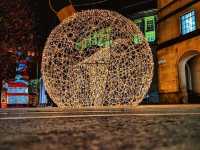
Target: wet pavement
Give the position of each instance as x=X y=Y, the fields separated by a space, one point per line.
x=174 y=127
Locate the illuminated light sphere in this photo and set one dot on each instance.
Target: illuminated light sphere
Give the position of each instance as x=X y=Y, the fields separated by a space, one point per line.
x=97 y=58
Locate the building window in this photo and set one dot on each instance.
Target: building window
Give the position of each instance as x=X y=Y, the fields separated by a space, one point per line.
x=147 y=26
x=150 y=32
x=150 y=25
x=188 y=22
x=140 y=24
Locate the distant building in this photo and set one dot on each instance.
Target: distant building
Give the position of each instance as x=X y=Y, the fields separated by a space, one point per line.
x=179 y=51
x=146 y=21
x=144 y=14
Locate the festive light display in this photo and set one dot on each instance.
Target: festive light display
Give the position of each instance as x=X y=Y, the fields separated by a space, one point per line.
x=97 y=58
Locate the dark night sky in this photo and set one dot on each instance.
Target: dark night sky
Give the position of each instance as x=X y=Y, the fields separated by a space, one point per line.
x=44 y=19
x=123 y=6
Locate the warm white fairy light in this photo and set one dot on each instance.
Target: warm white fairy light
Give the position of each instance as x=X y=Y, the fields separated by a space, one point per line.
x=97 y=58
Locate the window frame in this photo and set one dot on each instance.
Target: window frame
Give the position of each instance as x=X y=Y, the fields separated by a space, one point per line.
x=148 y=32
x=152 y=25
x=181 y=23
x=141 y=21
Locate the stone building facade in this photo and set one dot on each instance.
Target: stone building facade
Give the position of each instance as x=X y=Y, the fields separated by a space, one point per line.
x=178 y=51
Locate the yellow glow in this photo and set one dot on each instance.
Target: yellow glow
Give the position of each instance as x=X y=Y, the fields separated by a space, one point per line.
x=118 y=74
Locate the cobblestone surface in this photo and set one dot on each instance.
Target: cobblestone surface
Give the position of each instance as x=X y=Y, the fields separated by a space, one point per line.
x=173 y=128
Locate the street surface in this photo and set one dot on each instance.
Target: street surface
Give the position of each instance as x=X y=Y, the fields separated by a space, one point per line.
x=159 y=127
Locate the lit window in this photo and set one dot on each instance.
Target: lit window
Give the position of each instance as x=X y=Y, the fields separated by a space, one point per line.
x=188 y=22
x=150 y=25
x=147 y=25
x=140 y=24
x=150 y=32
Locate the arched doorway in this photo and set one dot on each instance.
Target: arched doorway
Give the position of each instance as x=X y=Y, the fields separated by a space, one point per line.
x=189 y=77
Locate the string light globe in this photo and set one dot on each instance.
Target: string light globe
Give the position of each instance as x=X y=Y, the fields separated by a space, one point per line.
x=97 y=58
